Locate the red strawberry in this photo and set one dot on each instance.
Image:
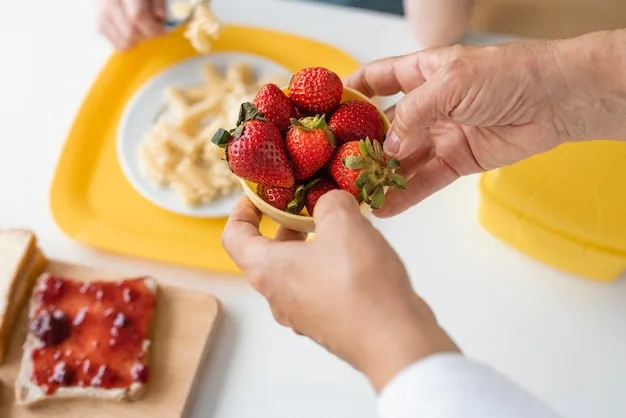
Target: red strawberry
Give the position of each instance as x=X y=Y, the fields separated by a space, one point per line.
x=283 y=198
x=362 y=168
x=316 y=190
x=316 y=90
x=356 y=120
x=255 y=150
x=310 y=145
x=275 y=106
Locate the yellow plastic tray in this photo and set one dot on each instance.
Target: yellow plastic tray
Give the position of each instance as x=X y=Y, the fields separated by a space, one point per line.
x=566 y=208
x=91 y=199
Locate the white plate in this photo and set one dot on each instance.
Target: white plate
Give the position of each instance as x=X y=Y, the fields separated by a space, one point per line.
x=144 y=107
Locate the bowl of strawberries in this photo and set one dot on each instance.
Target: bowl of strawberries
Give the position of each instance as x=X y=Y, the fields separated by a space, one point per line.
x=293 y=144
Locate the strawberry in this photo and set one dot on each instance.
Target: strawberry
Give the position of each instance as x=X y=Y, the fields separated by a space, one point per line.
x=310 y=145
x=283 y=198
x=255 y=150
x=356 y=120
x=315 y=190
x=275 y=106
x=315 y=90
x=362 y=168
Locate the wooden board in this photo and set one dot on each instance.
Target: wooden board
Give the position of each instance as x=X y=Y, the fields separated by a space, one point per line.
x=185 y=321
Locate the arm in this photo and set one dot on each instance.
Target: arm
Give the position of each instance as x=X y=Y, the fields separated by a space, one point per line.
x=438 y=22
x=450 y=386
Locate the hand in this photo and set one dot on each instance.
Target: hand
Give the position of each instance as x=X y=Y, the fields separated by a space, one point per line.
x=470 y=109
x=346 y=289
x=127 y=22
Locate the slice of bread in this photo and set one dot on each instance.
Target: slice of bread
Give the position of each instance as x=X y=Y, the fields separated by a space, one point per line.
x=29 y=392
x=21 y=263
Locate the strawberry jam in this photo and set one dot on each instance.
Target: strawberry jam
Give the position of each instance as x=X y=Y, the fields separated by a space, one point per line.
x=91 y=334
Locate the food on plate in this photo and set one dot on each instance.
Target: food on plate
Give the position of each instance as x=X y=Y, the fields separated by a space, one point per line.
x=355 y=120
x=363 y=169
x=293 y=168
x=316 y=90
x=87 y=339
x=310 y=145
x=275 y=106
x=176 y=152
x=255 y=149
x=317 y=189
x=21 y=263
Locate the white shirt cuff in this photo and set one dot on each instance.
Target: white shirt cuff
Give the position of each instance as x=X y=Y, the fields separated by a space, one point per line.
x=448 y=385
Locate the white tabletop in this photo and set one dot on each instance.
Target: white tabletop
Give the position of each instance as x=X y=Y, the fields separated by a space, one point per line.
x=560 y=337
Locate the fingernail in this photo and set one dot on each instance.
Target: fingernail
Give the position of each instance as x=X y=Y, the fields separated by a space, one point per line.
x=392 y=145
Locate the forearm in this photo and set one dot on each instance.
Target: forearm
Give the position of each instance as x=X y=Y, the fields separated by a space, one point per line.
x=438 y=22
x=589 y=100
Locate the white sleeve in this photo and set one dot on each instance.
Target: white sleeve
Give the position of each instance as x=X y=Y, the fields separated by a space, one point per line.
x=451 y=386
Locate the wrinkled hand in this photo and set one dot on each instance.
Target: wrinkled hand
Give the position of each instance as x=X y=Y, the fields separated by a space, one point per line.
x=470 y=109
x=346 y=289
x=127 y=22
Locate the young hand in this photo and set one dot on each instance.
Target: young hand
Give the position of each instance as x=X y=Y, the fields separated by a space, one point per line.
x=127 y=22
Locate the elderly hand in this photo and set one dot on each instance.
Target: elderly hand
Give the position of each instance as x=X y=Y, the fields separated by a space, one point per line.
x=469 y=109
x=127 y=22
x=346 y=289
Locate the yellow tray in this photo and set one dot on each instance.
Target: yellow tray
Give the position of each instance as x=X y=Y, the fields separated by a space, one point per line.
x=566 y=208
x=91 y=199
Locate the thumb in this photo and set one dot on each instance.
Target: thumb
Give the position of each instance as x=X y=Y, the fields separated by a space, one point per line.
x=159 y=8
x=336 y=209
x=414 y=115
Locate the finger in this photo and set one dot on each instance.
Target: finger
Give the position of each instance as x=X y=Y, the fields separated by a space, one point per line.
x=241 y=236
x=284 y=234
x=387 y=76
x=142 y=18
x=125 y=33
x=334 y=209
x=414 y=115
x=434 y=176
x=159 y=9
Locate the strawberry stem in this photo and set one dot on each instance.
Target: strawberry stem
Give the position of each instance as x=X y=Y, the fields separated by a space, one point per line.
x=311 y=123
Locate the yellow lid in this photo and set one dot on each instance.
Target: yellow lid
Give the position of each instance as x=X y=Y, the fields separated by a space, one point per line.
x=567 y=208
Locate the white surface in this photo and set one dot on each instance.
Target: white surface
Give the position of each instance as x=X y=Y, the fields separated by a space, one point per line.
x=560 y=337
x=148 y=103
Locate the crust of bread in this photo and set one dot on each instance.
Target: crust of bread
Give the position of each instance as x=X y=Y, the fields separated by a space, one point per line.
x=25 y=269
x=27 y=393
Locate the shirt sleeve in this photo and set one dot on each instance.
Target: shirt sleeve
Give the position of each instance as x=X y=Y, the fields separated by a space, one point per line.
x=451 y=386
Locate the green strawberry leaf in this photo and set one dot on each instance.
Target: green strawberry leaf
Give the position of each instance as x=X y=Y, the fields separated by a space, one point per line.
x=398 y=181
x=249 y=111
x=363 y=149
x=236 y=133
x=361 y=180
x=378 y=200
x=370 y=149
x=221 y=138
x=354 y=163
x=393 y=163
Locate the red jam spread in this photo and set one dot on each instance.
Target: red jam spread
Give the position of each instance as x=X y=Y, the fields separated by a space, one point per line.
x=92 y=333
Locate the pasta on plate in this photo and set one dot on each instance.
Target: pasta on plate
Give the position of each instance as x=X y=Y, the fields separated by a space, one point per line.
x=177 y=152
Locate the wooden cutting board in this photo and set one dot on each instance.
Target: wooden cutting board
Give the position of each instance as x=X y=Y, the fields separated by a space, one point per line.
x=185 y=324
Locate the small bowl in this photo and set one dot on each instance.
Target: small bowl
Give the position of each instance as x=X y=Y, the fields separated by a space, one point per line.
x=303 y=222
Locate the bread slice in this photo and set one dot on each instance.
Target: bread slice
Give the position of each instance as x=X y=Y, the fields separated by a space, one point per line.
x=21 y=263
x=84 y=362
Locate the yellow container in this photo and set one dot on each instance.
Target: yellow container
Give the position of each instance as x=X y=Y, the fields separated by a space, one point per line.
x=566 y=208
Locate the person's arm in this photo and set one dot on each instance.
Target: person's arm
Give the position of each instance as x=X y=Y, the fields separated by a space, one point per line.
x=451 y=386
x=438 y=22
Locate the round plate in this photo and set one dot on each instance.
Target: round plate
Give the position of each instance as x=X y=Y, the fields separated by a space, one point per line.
x=143 y=109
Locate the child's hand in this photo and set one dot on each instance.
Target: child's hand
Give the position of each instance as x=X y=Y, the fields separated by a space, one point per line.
x=127 y=22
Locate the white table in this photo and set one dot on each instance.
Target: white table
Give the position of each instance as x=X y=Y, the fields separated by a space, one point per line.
x=561 y=337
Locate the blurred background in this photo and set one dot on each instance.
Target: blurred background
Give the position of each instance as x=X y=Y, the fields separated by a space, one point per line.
x=548 y=18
